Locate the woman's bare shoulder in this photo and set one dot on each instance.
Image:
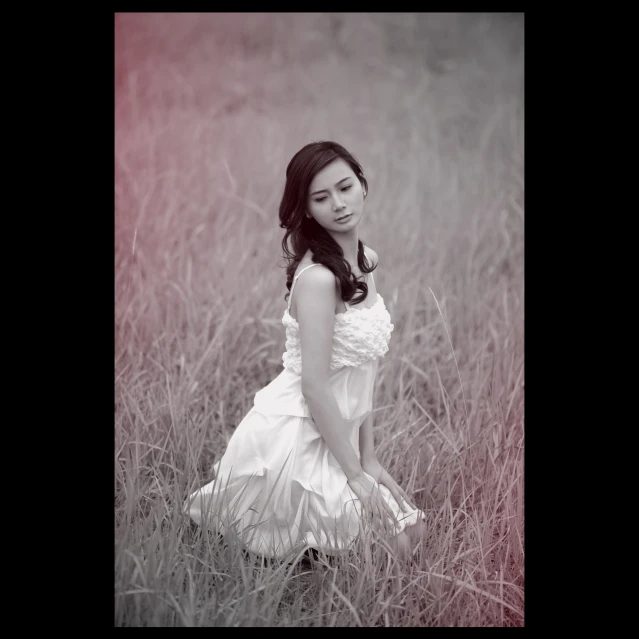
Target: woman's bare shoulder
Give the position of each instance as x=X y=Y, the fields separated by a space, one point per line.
x=317 y=284
x=307 y=260
x=371 y=254
x=316 y=291
x=316 y=277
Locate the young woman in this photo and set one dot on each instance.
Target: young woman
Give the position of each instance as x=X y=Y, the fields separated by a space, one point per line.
x=300 y=471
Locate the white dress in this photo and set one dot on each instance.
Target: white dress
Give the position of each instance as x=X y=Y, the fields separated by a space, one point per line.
x=278 y=487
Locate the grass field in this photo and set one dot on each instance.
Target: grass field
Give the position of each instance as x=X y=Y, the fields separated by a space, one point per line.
x=209 y=109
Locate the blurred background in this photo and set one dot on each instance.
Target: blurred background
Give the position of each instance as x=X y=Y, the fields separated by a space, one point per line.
x=211 y=107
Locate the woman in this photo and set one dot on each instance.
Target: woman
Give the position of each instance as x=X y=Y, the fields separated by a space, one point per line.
x=300 y=470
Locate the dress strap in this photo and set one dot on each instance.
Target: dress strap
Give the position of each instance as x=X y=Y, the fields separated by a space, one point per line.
x=290 y=297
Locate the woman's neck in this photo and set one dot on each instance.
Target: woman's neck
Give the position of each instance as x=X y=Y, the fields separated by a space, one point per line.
x=349 y=243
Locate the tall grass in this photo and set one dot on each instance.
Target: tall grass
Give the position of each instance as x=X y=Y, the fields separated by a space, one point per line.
x=208 y=111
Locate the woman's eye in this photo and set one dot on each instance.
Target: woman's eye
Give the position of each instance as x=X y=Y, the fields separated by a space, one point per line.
x=321 y=199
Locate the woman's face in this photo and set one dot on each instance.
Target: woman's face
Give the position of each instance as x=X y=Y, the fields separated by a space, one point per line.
x=336 y=192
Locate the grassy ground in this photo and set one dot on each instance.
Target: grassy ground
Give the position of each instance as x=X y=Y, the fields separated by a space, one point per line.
x=209 y=109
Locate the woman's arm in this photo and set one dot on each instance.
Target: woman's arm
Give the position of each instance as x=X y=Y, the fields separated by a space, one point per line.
x=366 y=441
x=372 y=467
x=316 y=299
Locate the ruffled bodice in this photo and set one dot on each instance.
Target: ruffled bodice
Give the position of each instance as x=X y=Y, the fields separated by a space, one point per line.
x=359 y=335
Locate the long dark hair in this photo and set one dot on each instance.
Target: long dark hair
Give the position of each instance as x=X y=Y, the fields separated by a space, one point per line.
x=306 y=233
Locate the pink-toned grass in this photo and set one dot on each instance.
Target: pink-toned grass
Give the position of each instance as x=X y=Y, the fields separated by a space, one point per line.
x=209 y=108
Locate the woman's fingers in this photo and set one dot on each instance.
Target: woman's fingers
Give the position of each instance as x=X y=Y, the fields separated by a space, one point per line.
x=378 y=511
x=377 y=516
x=373 y=513
x=409 y=501
x=380 y=519
x=395 y=492
x=387 y=511
x=404 y=496
x=391 y=513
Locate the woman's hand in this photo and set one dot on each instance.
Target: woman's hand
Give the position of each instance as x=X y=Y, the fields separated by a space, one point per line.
x=376 y=508
x=373 y=468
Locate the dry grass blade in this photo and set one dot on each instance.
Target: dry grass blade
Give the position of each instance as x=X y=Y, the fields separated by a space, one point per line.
x=348 y=604
x=483 y=593
x=450 y=341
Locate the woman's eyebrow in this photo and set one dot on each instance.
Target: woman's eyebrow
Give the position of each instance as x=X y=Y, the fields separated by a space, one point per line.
x=323 y=190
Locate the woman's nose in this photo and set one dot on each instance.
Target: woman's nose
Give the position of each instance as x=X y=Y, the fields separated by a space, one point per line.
x=337 y=205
